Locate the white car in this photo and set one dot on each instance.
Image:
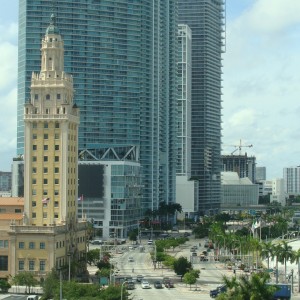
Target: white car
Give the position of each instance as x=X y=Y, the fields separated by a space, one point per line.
x=145 y=285
x=130 y=259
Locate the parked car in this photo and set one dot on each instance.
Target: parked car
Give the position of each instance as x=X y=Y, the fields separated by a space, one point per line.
x=139 y=278
x=165 y=279
x=145 y=285
x=220 y=289
x=169 y=284
x=96 y=242
x=186 y=234
x=158 y=285
x=194 y=254
x=130 y=285
x=150 y=242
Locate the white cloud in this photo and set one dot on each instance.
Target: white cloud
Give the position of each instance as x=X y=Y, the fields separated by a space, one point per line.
x=261 y=82
x=8 y=94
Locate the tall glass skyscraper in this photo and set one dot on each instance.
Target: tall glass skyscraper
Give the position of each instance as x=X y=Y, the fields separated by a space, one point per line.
x=122 y=56
x=206 y=20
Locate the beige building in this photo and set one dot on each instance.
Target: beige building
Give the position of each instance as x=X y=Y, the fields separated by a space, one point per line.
x=50 y=235
x=11 y=212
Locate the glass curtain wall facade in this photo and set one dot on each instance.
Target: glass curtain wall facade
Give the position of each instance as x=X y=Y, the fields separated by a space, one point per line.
x=206 y=20
x=122 y=56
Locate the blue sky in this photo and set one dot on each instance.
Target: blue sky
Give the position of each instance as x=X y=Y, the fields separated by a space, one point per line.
x=261 y=79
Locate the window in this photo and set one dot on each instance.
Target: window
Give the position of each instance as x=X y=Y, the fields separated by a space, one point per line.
x=33 y=215
x=34 y=158
x=56 y=192
x=21 y=265
x=3 y=243
x=56 y=170
x=56 y=181
x=56 y=125
x=31 y=245
x=45 y=158
x=45 y=136
x=18 y=210
x=33 y=192
x=34 y=136
x=58 y=96
x=56 y=159
x=45 y=192
x=45 y=170
x=36 y=97
x=44 y=213
x=33 y=203
x=34 y=125
x=42 y=265
x=31 y=265
x=56 y=204
x=45 y=181
x=33 y=170
x=34 y=147
x=47 y=97
x=33 y=180
x=56 y=136
x=42 y=245
x=21 y=245
x=56 y=147
x=3 y=263
x=55 y=215
x=45 y=125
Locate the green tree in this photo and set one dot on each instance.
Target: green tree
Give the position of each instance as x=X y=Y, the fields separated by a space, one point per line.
x=267 y=251
x=285 y=254
x=296 y=259
x=254 y=288
x=189 y=278
x=133 y=235
x=4 y=285
x=25 y=279
x=50 y=284
x=92 y=256
x=182 y=266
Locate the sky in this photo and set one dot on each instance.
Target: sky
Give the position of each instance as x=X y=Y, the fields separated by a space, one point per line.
x=261 y=82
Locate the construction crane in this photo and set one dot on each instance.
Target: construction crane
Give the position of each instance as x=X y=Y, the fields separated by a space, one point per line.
x=239 y=147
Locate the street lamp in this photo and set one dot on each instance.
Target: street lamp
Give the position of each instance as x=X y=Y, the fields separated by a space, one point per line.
x=69 y=258
x=122 y=289
x=60 y=284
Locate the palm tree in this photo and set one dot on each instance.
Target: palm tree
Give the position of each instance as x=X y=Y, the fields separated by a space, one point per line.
x=255 y=246
x=276 y=252
x=285 y=254
x=266 y=251
x=254 y=288
x=296 y=258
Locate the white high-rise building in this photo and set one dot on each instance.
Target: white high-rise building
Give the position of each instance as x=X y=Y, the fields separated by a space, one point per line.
x=278 y=193
x=291 y=176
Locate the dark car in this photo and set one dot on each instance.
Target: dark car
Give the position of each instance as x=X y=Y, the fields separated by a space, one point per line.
x=130 y=285
x=217 y=291
x=158 y=285
x=169 y=284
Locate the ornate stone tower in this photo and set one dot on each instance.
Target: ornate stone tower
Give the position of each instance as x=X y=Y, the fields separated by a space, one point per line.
x=50 y=231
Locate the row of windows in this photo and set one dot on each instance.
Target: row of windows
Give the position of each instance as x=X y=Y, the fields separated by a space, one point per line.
x=34 y=136
x=46 y=125
x=45 y=171
x=32 y=245
x=31 y=265
x=33 y=203
x=55 y=215
x=47 y=97
x=17 y=210
x=45 y=181
x=46 y=147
